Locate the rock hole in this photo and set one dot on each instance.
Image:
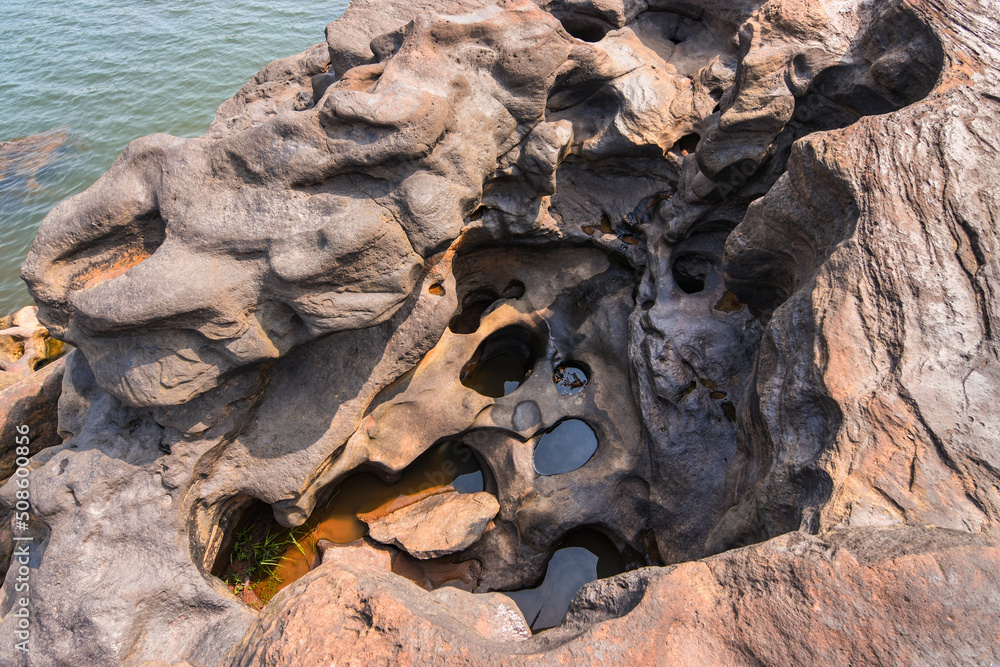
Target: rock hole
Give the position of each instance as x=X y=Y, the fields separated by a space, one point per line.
x=501 y=363
x=474 y=305
x=606 y=224
x=565 y=447
x=513 y=290
x=320 y=83
x=571 y=377
x=115 y=253
x=580 y=558
x=728 y=303
x=477 y=302
x=687 y=144
x=801 y=67
x=251 y=551
x=689 y=273
x=258 y=557
x=436 y=289
x=583 y=27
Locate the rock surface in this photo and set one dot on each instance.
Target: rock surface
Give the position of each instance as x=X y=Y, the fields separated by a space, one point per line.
x=31 y=376
x=767 y=230
x=25 y=345
x=442 y=524
x=870 y=596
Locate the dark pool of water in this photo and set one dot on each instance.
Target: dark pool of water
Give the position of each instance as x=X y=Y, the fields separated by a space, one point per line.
x=497 y=376
x=580 y=558
x=567 y=446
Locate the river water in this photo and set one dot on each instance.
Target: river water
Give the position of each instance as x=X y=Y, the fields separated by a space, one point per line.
x=82 y=78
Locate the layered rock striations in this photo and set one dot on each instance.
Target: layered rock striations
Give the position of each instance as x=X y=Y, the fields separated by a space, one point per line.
x=743 y=252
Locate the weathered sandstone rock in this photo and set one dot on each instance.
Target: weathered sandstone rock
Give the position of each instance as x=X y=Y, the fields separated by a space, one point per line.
x=765 y=232
x=30 y=383
x=25 y=345
x=439 y=525
x=869 y=596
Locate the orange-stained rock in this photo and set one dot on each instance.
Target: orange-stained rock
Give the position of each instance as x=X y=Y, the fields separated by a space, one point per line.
x=874 y=596
x=25 y=344
x=316 y=289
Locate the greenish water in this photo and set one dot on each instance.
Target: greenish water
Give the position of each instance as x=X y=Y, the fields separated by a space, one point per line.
x=91 y=75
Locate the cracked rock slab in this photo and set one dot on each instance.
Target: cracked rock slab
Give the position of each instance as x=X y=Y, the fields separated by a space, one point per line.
x=442 y=524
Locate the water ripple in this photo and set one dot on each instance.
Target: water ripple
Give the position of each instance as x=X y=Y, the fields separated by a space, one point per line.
x=82 y=78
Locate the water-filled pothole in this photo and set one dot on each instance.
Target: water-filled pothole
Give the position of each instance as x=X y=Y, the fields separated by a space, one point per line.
x=565 y=447
x=571 y=377
x=580 y=558
x=501 y=363
x=263 y=557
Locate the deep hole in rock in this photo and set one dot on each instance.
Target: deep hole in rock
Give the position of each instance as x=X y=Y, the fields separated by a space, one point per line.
x=513 y=290
x=696 y=261
x=473 y=306
x=571 y=377
x=477 y=302
x=687 y=144
x=581 y=557
x=259 y=557
x=583 y=27
x=501 y=363
x=565 y=447
x=689 y=272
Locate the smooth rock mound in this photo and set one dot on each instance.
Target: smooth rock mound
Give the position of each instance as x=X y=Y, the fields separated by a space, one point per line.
x=442 y=524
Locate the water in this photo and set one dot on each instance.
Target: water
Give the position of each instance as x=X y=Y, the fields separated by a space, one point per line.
x=497 y=376
x=570 y=379
x=95 y=74
x=501 y=363
x=566 y=447
x=580 y=558
x=450 y=463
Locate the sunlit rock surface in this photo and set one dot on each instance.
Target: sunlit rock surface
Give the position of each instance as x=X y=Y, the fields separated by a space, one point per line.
x=765 y=234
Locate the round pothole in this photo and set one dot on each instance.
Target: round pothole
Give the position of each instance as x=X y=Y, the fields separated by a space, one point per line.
x=571 y=377
x=565 y=447
x=501 y=363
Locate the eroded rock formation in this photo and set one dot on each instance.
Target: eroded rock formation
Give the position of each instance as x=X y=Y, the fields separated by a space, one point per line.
x=691 y=276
